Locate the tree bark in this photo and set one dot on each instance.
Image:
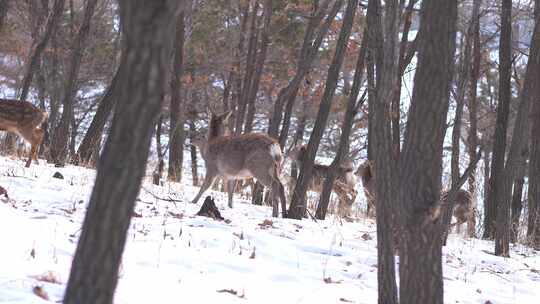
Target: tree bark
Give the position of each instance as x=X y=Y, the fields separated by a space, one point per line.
x=503 y=106
x=420 y=246
x=303 y=68
x=517 y=206
x=58 y=148
x=297 y=206
x=533 y=221
x=383 y=52
x=94 y=273
x=4 y=7
x=103 y=112
x=35 y=56
x=176 y=131
x=193 y=151
x=346 y=128
x=158 y=171
x=518 y=147
x=259 y=64
x=472 y=139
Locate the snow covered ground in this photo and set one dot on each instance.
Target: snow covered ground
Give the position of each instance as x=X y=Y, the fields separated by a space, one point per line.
x=173 y=256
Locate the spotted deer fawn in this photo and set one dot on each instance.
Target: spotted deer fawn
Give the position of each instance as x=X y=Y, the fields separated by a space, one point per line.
x=234 y=157
x=343 y=186
x=25 y=120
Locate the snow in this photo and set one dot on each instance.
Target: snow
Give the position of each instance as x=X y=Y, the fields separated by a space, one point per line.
x=173 y=256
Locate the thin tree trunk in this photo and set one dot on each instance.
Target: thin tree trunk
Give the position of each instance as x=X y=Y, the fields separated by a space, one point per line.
x=383 y=52
x=420 y=247
x=254 y=87
x=4 y=7
x=103 y=112
x=472 y=139
x=303 y=69
x=518 y=147
x=176 y=131
x=35 y=56
x=158 y=171
x=61 y=136
x=94 y=272
x=401 y=64
x=249 y=70
x=352 y=109
x=503 y=106
x=517 y=206
x=193 y=151
x=297 y=206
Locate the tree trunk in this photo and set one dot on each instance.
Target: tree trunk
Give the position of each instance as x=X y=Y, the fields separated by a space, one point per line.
x=95 y=130
x=4 y=7
x=297 y=206
x=383 y=53
x=256 y=79
x=518 y=147
x=401 y=69
x=462 y=81
x=472 y=139
x=249 y=70
x=517 y=206
x=193 y=151
x=158 y=171
x=176 y=131
x=503 y=106
x=60 y=140
x=303 y=69
x=35 y=56
x=346 y=128
x=94 y=273
x=420 y=247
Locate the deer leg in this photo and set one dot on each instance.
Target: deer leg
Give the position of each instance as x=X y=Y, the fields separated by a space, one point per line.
x=33 y=154
x=208 y=181
x=282 y=198
x=231 y=184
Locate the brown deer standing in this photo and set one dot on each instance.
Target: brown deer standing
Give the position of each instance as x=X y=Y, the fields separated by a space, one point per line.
x=463 y=206
x=343 y=186
x=233 y=157
x=25 y=120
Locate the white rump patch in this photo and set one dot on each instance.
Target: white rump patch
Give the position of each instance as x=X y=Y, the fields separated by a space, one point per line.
x=275 y=151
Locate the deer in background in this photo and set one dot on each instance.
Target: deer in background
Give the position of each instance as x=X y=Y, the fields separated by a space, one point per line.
x=343 y=186
x=463 y=207
x=25 y=120
x=233 y=157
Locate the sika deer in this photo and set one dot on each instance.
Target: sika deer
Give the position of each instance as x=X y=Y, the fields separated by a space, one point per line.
x=365 y=172
x=233 y=157
x=25 y=120
x=463 y=206
x=343 y=185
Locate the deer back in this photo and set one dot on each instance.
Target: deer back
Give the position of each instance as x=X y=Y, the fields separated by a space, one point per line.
x=22 y=118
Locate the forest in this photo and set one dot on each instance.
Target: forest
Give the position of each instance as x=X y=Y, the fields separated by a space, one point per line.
x=164 y=140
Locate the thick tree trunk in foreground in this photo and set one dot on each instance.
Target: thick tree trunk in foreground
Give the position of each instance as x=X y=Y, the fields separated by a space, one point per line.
x=176 y=132
x=503 y=107
x=420 y=247
x=59 y=145
x=94 y=272
x=297 y=207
